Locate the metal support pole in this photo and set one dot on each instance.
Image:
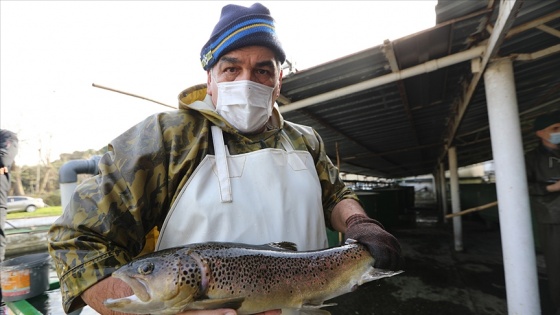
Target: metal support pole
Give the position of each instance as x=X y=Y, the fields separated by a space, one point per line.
x=437 y=193
x=511 y=186
x=455 y=200
x=443 y=190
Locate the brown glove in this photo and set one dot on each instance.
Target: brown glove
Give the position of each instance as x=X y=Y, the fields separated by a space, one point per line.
x=383 y=246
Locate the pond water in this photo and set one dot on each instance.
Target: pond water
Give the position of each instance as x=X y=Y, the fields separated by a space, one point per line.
x=50 y=303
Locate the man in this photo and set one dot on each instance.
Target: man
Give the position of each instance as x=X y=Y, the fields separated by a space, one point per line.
x=224 y=167
x=543 y=175
x=8 y=152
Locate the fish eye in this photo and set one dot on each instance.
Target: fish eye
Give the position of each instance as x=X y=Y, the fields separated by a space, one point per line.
x=146 y=268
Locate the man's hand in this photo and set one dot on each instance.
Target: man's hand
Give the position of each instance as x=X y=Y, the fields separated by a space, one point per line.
x=383 y=246
x=113 y=288
x=553 y=187
x=3 y=170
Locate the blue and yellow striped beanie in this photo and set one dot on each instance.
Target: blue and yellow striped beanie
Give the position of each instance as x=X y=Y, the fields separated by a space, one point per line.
x=240 y=27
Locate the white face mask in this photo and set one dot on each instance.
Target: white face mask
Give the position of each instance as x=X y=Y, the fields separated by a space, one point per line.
x=554 y=138
x=245 y=104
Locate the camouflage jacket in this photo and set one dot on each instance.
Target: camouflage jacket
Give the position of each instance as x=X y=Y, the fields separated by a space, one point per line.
x=111 y=215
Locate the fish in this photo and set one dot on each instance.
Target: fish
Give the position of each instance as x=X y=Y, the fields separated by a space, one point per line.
x=247 y=278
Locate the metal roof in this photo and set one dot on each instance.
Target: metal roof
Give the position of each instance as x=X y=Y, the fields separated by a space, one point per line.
x=393 y=110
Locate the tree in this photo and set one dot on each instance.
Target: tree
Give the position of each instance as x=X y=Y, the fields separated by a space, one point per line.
x=42 y=180
x=15 y=178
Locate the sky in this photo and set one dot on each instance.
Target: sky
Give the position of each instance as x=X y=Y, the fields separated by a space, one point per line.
x=52 y=52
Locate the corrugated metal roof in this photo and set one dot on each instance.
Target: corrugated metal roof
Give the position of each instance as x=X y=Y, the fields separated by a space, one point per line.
x=403 y=128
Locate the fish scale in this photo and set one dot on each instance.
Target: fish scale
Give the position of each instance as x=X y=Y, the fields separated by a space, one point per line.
x=248 y=278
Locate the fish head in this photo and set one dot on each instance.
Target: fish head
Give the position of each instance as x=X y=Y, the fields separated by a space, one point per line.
x=162 y=283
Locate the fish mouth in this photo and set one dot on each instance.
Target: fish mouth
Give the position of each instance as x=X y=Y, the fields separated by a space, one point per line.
x=139 y=288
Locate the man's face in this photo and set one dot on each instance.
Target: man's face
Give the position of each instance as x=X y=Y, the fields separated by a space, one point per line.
x=254 y=63
x=544 y=134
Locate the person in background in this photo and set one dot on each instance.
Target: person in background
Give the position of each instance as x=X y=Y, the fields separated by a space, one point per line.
x=543 y=175
x=225 y=166
x=8 y=152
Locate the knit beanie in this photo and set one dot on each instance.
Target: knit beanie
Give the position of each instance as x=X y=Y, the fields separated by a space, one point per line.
x=240 y=27
x=545 y=120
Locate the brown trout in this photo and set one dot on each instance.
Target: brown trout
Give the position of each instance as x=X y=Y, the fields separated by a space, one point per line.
x=248 y=278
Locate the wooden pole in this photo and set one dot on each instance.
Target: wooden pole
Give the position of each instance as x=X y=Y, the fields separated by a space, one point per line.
x=479 y=208
x=130 y=94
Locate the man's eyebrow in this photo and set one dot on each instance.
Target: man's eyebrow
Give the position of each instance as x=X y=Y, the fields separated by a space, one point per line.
x=267 y=63
x=229 y=59
x=233 y=60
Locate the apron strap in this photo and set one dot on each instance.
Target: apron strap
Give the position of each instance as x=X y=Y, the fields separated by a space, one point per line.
x=221 y=164
x=285 y=143
x=221 y=152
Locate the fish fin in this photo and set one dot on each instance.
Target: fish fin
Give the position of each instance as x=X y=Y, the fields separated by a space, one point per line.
x=375 y=274
x=212 y=304
x=289 y=246
x=313 y=311
x=350 y=241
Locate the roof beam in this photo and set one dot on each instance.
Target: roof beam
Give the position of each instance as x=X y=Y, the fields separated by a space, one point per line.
x=506 y=16
x=393 y=152
x=549 y=30
x=426 y=67
x=537 y=54
x=389 y=53
x=533 y=24
x=347 y=138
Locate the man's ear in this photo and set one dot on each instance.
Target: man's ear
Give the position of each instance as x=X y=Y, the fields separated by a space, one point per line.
x=280 y=82
x=209 y=82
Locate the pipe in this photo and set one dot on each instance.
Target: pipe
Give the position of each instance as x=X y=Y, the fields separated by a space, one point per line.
x=537 y=54
x=68 y=176
x=511 y=186
x=426 y=67
x=455 y=199
x=437 y=191
x=443 y=191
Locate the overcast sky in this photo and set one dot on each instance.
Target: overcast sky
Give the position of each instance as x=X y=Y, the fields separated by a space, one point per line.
x=51 y=52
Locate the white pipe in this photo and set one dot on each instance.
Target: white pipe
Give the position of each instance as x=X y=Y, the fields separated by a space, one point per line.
x=511 y=185
x=66 y=191
x=455 y=199
x=426 y=67
x=538 y=54
x=68 y=176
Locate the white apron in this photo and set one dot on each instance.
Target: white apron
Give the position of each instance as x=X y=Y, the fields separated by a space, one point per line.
x=269 y=195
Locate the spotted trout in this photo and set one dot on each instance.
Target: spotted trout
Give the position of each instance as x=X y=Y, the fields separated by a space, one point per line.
x=248 y=278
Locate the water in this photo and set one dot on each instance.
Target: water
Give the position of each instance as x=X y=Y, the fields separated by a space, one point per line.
x=50 y=303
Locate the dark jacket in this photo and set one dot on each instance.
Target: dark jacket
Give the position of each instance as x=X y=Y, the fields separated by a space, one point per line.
x=543 y=168
x=8 y=151
x=8 y=147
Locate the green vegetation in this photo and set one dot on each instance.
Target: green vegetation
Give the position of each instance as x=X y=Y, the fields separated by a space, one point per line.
x=42 y=181
x=43 y=212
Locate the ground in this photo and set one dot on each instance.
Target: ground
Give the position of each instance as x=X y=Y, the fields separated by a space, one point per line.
x=437 y=279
